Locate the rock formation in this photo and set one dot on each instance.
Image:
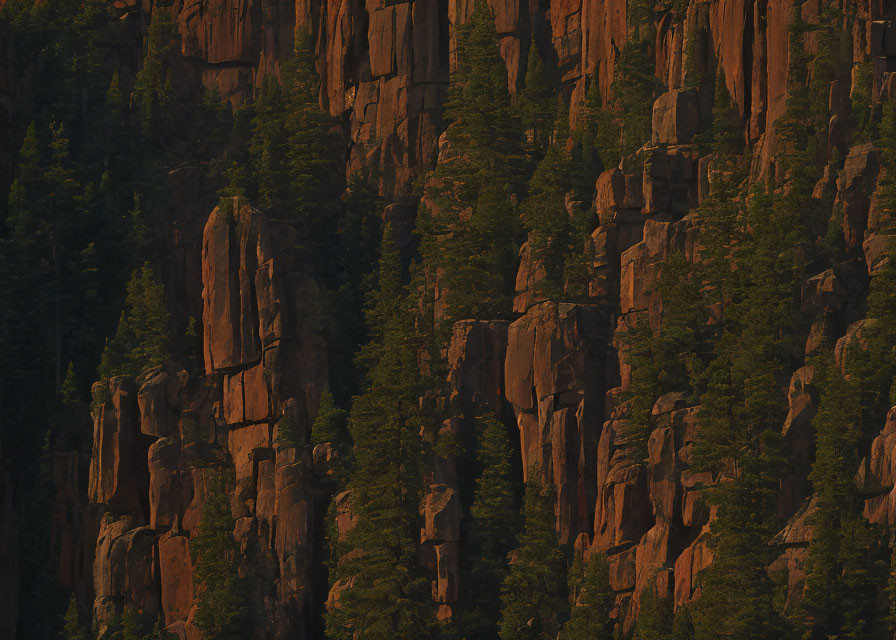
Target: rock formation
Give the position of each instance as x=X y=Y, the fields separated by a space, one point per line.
x=553 y=372
x=159 y=436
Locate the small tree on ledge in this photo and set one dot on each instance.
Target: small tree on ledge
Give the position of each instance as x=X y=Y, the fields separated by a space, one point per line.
x=142 y=339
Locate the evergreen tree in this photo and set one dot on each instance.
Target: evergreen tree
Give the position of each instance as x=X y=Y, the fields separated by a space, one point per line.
x=142 y=339
x=330 y=423
x=592 y=602
x=655 y=615
x=534 y=592
x=295 y=159
x=492 y=529
x=153 y=91
x=472 y=242
x=551 y=230
x=71 y=623
x=387 y=597
x=222 y=610
x=537 y=104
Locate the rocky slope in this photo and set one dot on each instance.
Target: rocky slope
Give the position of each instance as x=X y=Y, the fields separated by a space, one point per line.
x=554 y=371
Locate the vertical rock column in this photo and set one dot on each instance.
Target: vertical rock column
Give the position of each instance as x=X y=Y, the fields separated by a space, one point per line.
x=554 y=375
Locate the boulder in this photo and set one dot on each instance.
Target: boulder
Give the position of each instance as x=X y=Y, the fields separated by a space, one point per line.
x=676 y=117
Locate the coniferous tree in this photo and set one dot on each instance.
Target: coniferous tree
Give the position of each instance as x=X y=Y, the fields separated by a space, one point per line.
x=222 y=608
x=592 y=603
x=71 y=623
x=472 y=241
x=329 y=425
x=537 y=104
x=551 y=232
x=387 y=595
x=153 y=91
x=492 y=530
x=142 y=339
x=534 y=592
x=295 y=160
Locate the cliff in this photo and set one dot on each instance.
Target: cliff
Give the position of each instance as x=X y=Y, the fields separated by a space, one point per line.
x=556 y=372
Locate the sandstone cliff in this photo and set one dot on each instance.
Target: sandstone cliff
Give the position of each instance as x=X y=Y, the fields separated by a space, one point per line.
x=554 y=372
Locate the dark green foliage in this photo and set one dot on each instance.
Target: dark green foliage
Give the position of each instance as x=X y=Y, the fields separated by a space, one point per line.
x=537 y=104
x=295 y=162
x=72 y=629
x=592 y=601
x=886 y=191
x=288 y=433
x=726 y=133
x=388 y=598
x=635 y=88
x=534 y=592
x=844 y=567
x=556 y=238
x=142 y=339
x=492 y=530
x=130 y=627
x=354 y=255
x=671 y=357
x=655 y=616
x=222 y=610
x=330 y=423
x=473 y=239
x=863 y=111
x=153 y=91
x=609 y=132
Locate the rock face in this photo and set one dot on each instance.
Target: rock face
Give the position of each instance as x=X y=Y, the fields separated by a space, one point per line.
x=555 y=379
x=158 y=438
x=553 y=374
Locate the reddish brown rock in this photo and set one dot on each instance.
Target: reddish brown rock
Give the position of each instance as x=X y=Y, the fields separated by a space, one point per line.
x=117 y=466
x=528 y=276
x=441 y=515
x=676 y=117
x=554 y=377
x=165 y=493
x=176 y=577
x=448 y=559
x=229 y=258
x=476 y=356
x=245 y=443
x=694 y=559
x=854 y=188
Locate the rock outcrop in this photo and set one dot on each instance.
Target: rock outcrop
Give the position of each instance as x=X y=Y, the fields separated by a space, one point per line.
x=157 y=439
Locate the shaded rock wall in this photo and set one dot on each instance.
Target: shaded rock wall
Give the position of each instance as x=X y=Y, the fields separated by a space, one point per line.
x=158 y=438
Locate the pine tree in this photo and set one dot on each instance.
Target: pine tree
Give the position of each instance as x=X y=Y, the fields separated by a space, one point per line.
x=71 y=624
x=329 y=425
x=222 y=611
x=534 y=593
x=128 y=627
x=592 y=603
x=537 y=104
x=492 y=530
x=655 y=615
x=153 y=91
x=552 y=235
x=387 y=597
x=295 y=159
x=472 y=242
x=142 y=339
